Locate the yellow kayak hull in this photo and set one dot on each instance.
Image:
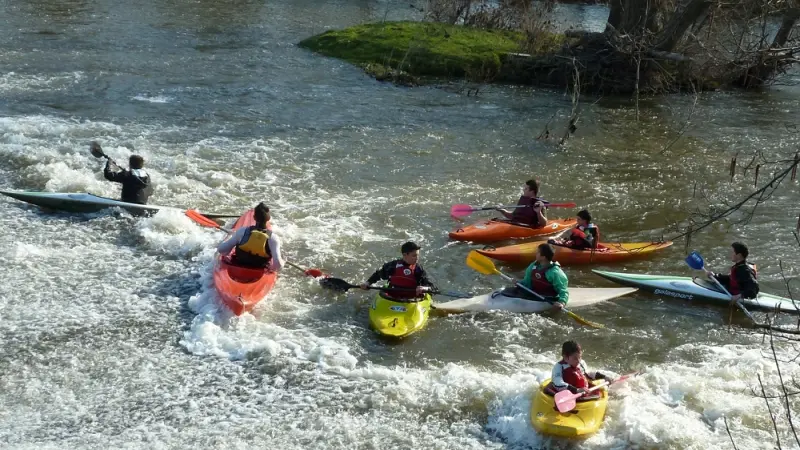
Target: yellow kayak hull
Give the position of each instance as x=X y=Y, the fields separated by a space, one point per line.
x=399 y=319
x=584 y=420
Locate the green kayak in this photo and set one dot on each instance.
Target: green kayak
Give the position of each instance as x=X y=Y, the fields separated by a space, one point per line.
x=88 y=203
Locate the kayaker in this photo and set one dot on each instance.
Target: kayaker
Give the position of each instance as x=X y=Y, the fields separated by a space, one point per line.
x=256 y=246
x=742 y=281
x=531 y=212
x=544 y=277
x=571 y=373
x=405 y=274
x=136 y=187
x=584 y=236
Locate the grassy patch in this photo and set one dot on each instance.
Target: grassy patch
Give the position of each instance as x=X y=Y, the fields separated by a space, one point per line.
x=424 y=48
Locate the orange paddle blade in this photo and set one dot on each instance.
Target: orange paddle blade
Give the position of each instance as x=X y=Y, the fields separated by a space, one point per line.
x=201 y=219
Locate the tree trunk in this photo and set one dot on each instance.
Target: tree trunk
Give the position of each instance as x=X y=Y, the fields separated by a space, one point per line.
x=614 y=15
x=790 y=18
x=689 y=13
x=769 y=63
x=635 y=16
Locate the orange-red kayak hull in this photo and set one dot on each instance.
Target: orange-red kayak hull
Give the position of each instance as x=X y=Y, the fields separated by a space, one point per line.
x=526 y=253
x=497 y=230
x=241 y=288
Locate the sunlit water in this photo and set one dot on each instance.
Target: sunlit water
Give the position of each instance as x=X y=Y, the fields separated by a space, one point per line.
x=111 y=335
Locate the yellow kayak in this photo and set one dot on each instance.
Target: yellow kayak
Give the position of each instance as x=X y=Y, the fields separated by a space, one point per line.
x=585 y=419
x=399 y=318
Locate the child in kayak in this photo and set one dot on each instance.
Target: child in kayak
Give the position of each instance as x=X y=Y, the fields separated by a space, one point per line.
x=405 y=275
x=584 y=236
x=741 y=282
x=531 y=212
x=256 y=246
x=544 y=277
x=571 y=373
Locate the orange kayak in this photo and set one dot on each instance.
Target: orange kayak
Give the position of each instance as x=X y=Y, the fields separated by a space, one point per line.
x=497 y=230
x=241 y=288
x=610 y=253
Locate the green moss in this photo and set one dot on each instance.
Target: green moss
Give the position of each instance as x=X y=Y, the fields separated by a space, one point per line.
x=421 y=48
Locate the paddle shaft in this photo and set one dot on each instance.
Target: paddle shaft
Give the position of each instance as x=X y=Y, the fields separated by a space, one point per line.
x=596 y=387
x=542 y=299
x=545 y=203
x=385 y=289
x=738 y=303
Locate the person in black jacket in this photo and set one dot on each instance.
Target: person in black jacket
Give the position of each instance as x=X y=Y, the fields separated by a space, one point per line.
x=741 y=282
x=405 y=275
x=135 y=182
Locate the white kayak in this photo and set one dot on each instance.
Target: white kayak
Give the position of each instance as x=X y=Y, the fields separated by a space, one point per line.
x=496 y=301
x=81 y=202
x=696 y=290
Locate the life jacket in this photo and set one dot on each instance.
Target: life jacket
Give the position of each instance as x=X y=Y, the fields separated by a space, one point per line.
x=526 y=215
x=580 y=237
x=734 y=283
x=574 y=376
x=403 y=277
x=253 y=249
x=539 y=283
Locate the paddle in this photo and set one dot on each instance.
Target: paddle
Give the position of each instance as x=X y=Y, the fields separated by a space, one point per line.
x=206 y=222
x=695 y=261
x=97 y=152
x=463 y=210
x=485 y=266
x=565 y=400
x=338 y=284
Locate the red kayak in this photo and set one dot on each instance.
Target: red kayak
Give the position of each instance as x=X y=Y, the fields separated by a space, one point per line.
x=241 y=288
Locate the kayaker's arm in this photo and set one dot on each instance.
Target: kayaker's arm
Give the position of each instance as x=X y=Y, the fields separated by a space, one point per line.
x=275 y=248
x=539 y=209
x=117 y=176
x=527 y=281
x=423 y=280
x=560 y=237
x=748 y=285
x=382 y=274
x=558 y=279
x=227 y=245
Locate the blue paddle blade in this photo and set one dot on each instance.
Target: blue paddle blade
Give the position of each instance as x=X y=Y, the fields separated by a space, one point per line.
x=695 y=261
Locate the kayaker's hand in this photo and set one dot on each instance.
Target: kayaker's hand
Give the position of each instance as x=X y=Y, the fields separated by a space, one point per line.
x=709 y=273
x=735 y=299
x=558 y=306
x=364 y=286
x=421 y=290
x=501 y=210
x=538 y=206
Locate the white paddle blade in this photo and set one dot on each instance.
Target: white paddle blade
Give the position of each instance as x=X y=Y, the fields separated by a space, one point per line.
x=565 y=401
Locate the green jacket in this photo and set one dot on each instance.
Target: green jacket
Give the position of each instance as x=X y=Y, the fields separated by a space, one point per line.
x=554 y=275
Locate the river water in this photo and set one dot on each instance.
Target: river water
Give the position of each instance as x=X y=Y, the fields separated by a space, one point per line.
x=111 y=336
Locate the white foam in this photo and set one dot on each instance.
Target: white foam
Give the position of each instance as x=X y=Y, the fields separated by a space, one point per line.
x=153 y=99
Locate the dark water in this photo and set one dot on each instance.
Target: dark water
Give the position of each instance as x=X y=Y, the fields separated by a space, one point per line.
x=111 y=335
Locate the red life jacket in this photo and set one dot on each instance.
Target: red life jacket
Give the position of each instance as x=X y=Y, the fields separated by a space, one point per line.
x=734 y=283
x=578 y=237
x=540 y=285
x=404 y=277
x=574 y=376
